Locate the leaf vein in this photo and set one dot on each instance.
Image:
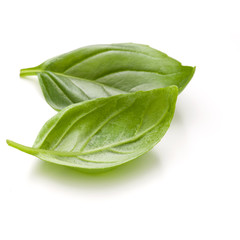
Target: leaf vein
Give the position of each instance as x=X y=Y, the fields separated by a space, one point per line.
x=55 y=80
x=70 y=126
x=132 y=139
x=102 y=52
x=130 y=70
x=104 y=123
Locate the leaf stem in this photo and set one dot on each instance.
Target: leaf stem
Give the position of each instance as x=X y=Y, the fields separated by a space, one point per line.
x=21 y=147
x=29 y=71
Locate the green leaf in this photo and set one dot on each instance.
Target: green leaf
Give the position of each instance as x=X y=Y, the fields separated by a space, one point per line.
x=105 y=132
x=106 y=70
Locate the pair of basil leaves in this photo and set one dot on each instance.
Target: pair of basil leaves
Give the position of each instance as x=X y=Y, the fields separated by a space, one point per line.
x=115 y=103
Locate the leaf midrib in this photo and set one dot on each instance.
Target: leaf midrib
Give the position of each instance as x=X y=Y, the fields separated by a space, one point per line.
x=62 y=153
x=114 y=50
x=103 y=85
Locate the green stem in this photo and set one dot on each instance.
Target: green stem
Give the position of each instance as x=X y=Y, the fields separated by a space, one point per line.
x=30 y=71
x=22 y=147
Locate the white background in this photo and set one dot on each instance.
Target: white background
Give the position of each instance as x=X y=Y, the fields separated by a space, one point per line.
x=187 y=187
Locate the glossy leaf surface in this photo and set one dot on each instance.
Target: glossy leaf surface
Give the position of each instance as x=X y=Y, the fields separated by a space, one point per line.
x=105 y=132
x=112 y=69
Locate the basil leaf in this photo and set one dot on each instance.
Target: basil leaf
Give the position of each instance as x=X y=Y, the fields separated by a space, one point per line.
x=61 y=90
x=121 y=67
x=105 y=132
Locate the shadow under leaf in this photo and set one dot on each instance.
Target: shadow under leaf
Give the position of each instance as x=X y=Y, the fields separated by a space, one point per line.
x=123 y=174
